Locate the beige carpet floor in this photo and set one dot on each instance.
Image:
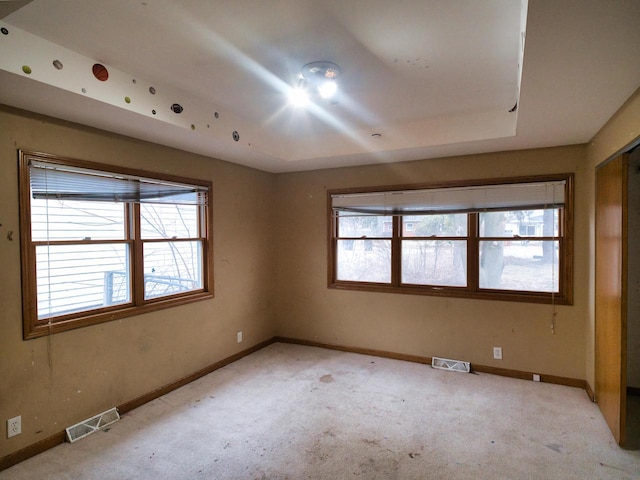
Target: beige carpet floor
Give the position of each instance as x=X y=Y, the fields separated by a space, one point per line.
x=295 y=412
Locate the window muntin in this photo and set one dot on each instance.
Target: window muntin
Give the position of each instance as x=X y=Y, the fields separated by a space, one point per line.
x=101 y=242
x=507 y=240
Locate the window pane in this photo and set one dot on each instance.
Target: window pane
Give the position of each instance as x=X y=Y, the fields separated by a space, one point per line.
x=449 y=225
x=168 y=221
x=172 y=267
x=515 y=265
x=434 y=262
x=74 y=278
x=73 y=220
x=364 y=261
x=523 y=223
x=364 y=225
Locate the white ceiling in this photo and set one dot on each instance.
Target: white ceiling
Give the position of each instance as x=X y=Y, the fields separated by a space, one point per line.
x=433 y=77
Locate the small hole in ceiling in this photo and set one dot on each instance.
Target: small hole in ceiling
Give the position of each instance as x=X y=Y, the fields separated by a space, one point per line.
x=127 y=100
x=4 y=31
x=153 y=111
x=58 y=64
x=217 y=115
x=176 y=108
x=193 y=127
x=207 y=125
x=134 y=81
x=376 y=135
x=236 y=136
x=84 y=90
x=26 y=69
x=152 y=90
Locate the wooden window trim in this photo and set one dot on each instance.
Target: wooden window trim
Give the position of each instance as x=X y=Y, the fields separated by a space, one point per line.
x=564 y=296
x=33 y=327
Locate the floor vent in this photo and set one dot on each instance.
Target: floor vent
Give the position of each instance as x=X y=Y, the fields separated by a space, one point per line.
x=453 y=365
x=93 y=424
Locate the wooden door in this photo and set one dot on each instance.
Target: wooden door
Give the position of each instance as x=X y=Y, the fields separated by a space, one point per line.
x=610 y=295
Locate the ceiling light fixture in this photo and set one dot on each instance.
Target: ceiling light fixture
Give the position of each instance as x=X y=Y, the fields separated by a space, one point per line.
x=298 y=97
x=315 y=78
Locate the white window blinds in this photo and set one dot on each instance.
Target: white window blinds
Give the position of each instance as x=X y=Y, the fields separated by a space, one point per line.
x=478 y=198
x=52 y=180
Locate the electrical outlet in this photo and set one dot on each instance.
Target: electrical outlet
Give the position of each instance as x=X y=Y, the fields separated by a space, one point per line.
x=536 y=377
x=497 y=353
x=239 y=336
x=14 y=426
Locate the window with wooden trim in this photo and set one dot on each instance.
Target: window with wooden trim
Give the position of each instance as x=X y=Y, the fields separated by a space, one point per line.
x=100 y=242
x=508 y=239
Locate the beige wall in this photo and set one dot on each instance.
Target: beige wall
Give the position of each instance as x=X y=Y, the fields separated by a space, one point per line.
x=53 y=383
x=421 y=325
x=271 y=279
x=616 y=136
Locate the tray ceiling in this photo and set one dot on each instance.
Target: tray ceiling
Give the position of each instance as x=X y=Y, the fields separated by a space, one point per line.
x=420 y=79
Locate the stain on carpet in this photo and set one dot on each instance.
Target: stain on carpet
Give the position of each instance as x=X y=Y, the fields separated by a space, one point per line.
x=326 y=379
x=554 y=446
x=381 y=467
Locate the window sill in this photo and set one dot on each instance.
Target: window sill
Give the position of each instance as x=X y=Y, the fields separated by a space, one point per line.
x=41 y=329
x=455 y=292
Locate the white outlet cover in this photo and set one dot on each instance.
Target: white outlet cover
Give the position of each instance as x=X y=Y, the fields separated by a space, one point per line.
x=239 y=337
x=497 y=353
x=14 y=426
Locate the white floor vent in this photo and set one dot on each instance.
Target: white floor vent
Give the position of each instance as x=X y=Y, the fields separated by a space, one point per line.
x=453 y=365
x=93 y=424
